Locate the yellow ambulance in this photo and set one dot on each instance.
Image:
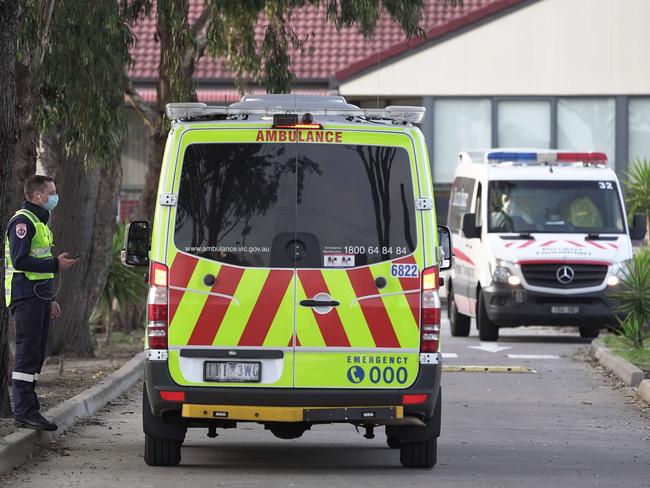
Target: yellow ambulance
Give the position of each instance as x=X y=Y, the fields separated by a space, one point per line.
x=294 y=266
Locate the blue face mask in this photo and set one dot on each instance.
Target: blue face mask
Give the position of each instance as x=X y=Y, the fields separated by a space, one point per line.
x=52 y=201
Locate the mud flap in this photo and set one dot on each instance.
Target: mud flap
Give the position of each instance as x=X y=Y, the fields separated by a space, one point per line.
x=169 y=426
x=413 y=433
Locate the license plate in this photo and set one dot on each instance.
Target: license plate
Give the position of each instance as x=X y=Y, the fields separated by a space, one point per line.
x=233 y=371
x=566 y=309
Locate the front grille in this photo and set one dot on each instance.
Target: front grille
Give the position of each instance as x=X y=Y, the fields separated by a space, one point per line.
x=546 y=275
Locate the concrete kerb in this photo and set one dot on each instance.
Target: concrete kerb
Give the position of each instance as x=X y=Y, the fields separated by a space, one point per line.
x=19 y=446
x=625 y=371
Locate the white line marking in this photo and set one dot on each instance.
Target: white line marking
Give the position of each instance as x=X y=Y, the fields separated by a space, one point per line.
x=449 y=355
x=490 y=347
x=533 y=356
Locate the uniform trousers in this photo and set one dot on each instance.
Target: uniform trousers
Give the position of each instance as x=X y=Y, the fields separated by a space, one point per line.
x=32 y=316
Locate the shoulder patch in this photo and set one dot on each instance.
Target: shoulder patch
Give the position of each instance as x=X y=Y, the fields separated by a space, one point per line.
x=21 y=230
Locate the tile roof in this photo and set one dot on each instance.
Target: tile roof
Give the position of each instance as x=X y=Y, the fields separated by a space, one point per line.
x=227 y=95
x=344 y=53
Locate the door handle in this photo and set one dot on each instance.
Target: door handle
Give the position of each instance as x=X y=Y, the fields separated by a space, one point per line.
x=319 y=303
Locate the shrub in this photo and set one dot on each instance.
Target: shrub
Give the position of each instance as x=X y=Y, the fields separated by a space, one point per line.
x=638 y=191
x=123 y=287
x=633 y=295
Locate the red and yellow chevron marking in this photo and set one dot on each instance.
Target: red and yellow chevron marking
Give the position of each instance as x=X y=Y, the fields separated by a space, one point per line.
x=266 y=307
x=215 y=307
x=179 y=275
x=373 y=308
x=411 y=285
x=255 y=307
x=330 y=324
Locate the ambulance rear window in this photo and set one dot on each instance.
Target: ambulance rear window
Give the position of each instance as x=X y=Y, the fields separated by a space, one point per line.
x=302 y=205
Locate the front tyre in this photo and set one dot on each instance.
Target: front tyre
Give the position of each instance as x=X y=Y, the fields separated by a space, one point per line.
x=487 y=330
x=458 y=323
x=588 y=332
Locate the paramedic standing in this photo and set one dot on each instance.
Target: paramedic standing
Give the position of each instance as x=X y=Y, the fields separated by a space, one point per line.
x=29 y=293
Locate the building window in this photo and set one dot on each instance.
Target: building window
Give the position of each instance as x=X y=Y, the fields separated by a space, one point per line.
x=639 y=112
x=524 y=123
x=587 y=124
x=134 y=153
x=458 y=125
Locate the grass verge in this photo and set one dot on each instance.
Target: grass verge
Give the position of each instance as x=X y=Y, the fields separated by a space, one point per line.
x=621 y=347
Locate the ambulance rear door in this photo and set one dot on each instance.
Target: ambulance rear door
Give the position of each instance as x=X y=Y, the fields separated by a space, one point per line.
x=360 y=252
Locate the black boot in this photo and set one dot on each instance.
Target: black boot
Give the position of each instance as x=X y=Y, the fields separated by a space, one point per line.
x=36 y=422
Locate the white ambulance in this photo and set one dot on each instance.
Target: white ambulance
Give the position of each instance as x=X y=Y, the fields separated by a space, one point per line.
x=540 y=238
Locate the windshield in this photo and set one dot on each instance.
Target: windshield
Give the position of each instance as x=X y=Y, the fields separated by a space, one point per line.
x=302 y=205
x=555 y=207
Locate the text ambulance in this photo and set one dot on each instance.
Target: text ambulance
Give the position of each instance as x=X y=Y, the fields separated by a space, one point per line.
x=541 y=239
x=293 y=275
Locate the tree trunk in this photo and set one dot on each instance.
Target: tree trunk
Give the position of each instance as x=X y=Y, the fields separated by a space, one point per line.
x=83 y=223
x=27 y=91
x=109 y=322
x=147 y=203
x=8 y=30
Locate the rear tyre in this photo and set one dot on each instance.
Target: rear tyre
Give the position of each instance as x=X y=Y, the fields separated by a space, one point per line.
x=162 y=438
x=393 y=441
x=589 y=332
x=458 y=323
x=423 y=454
x=419 y=454
x=487 y=330
x=161 y=452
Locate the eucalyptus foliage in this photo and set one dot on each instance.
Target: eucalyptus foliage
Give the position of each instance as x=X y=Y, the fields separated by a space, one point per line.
x=231 y=33
x=633 y=295
x=84 y=50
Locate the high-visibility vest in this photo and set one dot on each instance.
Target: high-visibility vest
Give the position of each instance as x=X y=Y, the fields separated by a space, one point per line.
x=41 y=248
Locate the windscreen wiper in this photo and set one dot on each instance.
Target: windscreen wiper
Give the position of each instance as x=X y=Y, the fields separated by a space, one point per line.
x=594 y=236
x=520 y=235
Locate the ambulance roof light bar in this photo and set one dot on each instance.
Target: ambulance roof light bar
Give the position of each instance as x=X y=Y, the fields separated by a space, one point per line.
x=398 y=113
x=539 y=157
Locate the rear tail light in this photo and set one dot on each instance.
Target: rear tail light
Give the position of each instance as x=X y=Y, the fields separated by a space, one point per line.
x=173 y=396
x=157 y=303
x=430 y=323
x=414 y=399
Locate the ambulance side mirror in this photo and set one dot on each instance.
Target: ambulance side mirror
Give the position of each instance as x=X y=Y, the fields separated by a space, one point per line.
x=469 y=227
x=444 y=254
x=638 y=228
x=136 y=244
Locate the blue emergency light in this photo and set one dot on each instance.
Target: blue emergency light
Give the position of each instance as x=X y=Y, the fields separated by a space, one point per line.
x=548 y=157
x=511 y=156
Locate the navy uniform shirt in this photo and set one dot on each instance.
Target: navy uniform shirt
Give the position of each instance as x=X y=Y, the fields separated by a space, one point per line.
x=19 y=246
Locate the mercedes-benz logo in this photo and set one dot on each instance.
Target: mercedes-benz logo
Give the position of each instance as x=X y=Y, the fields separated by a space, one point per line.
x=565 y=274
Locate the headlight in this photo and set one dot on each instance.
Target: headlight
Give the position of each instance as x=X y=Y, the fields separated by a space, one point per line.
x=619 y=270
x=503 y=272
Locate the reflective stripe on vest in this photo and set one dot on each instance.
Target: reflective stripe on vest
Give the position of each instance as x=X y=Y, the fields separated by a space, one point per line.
x=41 y=248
